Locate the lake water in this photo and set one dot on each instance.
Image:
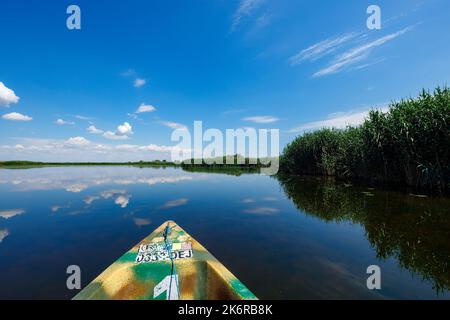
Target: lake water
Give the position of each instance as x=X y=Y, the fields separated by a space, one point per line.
x=290 y=238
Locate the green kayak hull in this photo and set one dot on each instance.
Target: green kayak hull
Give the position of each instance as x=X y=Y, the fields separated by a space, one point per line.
x=167 y=265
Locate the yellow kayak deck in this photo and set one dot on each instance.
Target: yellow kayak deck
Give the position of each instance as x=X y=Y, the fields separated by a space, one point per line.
x=167 y=265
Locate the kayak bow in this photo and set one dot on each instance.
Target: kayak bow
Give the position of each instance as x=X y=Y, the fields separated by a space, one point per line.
x=168 y=264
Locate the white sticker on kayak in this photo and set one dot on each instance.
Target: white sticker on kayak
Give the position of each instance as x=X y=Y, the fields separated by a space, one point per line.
x=170 y=285
x=158 y=252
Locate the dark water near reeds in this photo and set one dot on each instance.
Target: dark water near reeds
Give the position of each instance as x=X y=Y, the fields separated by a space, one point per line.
x=287 y=238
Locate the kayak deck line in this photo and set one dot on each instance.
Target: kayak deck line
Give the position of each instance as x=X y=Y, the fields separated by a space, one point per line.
x=146 y=272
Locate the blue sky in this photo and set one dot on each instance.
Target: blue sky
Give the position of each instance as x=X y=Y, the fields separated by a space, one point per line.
x=291 y=65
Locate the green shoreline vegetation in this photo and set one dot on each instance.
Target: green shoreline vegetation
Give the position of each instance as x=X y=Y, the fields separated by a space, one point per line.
x=405 y=146
x=237 y=162
x=32 y=164
x=409 y=146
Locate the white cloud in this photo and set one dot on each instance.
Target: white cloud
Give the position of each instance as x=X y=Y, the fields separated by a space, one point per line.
x=89 y=199
x=78 y=180
x=339 y=120
x=174 y=203
x=120 y=197
x=158 y=180
x=76 y=187
x=262 y=211
x=261 y=119
x=246 y=8
x=83 y=117
x=77 y=141
x=357 y=54
x=138 y=82
x=173 y=125
x=122 y=132
x=140 y=222
x=114 y=136
x=56 y=208
x=94 y=130
x=15 y=116
x=145 y=108
x=7 y=96
x=151 y=147
x=125 y=129
x=62 y=122
x=81 y=149
x=122 y=200
x=7 y=214
x=320 y=49
x=3 y=234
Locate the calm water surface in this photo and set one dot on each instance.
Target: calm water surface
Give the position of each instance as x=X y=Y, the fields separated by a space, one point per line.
x=290 y=238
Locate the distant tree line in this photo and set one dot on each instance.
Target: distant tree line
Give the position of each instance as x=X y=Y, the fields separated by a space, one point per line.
x=20 y=163
x=235 y=161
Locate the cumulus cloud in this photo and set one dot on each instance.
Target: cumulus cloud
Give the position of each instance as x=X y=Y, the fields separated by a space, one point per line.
x=82 y=149
x=122 y=133
x=94 y=130
x=7 y=96
x=145 y=108
x=124 y=129
x=77 y=141
x=15 y=116
x=261 y=119
x=55 y=145
x=114 y=136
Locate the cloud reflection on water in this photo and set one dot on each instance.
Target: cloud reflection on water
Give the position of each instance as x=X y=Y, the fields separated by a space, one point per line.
x=8 y=214
x=77 y=180
x=3 y=234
